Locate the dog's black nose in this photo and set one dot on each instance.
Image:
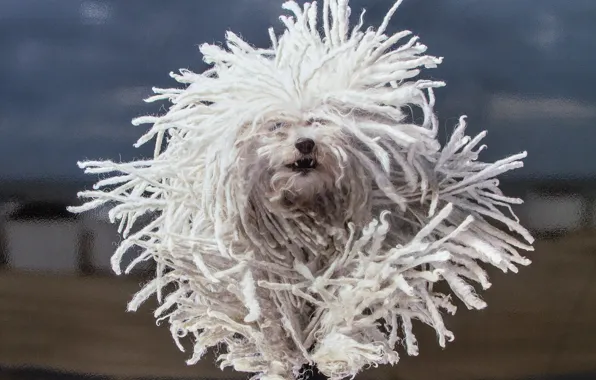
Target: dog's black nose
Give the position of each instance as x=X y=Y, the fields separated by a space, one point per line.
x=305 y=146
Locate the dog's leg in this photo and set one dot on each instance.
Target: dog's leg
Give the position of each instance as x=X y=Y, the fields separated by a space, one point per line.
x=310 y=372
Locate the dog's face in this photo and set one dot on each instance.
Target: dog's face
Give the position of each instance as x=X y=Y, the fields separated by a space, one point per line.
x=304 y=159
x=301 y=164
x=308 y=164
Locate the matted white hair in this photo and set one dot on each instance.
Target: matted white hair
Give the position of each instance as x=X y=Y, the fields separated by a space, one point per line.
x=336 y=283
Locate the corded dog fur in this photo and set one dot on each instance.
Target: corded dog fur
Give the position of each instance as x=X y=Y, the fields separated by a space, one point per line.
x=297 y=211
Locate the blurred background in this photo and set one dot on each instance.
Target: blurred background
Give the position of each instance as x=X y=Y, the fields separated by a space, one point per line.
x=73 y=73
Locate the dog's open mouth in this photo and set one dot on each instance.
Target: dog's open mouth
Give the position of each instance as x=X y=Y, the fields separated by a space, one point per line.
x=303 y=164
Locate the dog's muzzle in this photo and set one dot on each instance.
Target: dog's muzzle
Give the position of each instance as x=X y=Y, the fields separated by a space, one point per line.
x=303 y=164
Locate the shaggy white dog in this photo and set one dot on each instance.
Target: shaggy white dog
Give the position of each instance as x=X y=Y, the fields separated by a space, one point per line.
x=298 y=211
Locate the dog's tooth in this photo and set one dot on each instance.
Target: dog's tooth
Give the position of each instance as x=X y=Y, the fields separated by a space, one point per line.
x=296 y=163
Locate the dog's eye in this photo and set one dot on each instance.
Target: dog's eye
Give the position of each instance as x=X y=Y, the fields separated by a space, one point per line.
x=277 y=126
x=316 y=120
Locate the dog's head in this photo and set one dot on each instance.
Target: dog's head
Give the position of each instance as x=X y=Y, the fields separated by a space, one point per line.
x=302 y=160
x=304 y=164
x=307 y=126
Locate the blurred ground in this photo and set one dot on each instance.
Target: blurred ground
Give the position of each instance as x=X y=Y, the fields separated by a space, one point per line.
x=539 y=323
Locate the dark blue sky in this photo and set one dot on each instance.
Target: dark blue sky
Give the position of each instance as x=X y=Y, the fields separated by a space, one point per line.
x=73 y=73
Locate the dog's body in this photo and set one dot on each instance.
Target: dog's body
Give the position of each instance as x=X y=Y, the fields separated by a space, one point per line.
x=301 y=214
